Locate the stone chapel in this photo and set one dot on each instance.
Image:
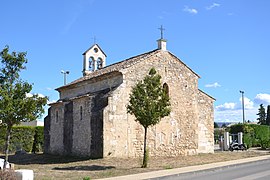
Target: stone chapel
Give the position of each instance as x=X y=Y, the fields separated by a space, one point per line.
x=90 y=118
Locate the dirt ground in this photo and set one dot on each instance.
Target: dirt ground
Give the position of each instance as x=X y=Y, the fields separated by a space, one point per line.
x=56 y=167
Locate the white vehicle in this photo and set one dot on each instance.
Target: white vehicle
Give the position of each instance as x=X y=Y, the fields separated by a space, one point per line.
x=2 y=161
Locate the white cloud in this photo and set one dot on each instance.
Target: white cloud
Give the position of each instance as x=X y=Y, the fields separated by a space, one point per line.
x=214 y=5
x=236 y=115
x=40 y=95
x=31 y=95
x=262 y=99
x=49 y=89
x=214 y=85
x=232 y=111
x=190 y=10
x=226 y=106
x=247 y=102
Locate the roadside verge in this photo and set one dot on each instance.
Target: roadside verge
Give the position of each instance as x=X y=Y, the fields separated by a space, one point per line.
x=168 y=172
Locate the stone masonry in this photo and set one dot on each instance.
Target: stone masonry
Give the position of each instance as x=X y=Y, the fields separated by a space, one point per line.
x=90 y=118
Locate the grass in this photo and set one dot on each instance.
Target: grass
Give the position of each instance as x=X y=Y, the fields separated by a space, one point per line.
x=56 y=167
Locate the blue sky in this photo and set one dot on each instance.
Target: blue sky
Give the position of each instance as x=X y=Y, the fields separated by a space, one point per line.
x=226 y=42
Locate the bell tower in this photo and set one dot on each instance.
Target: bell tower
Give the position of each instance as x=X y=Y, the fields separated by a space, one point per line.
x=93 y=59
x=162 y=43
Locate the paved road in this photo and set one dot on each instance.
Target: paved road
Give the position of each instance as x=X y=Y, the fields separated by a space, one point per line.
x=259 y=170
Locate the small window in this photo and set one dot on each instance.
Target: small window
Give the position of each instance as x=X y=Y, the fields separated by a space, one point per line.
x=166 y=88
x=81 y=113
x=91 y=63
x=99 y=63
x=95 y=50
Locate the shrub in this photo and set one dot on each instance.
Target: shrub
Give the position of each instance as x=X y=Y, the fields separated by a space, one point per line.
x=262 y=134
x=254 y=134
x=7 y=174
x=236 y=128
x=247 y=139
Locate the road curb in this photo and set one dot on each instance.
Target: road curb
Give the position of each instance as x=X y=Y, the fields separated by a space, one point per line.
x=169 y=172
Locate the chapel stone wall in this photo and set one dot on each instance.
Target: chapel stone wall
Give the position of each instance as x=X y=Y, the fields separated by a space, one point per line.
x=176 y=134
x=76 y=122
x=81 y=127
x=55 y=130
x=206 y=123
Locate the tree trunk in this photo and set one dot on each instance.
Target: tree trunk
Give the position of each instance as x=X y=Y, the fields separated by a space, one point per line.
x=7 y=145
x=145 y=155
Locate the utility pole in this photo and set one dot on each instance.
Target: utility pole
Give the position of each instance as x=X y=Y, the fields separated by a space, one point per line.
x=65 y=76
x=243 y=106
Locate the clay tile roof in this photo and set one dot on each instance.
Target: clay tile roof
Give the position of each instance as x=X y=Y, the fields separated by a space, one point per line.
x=114 y=67
x=122 y=65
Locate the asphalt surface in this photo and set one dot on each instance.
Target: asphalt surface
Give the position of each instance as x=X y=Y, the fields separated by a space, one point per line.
x=206 y=170
x=247 y=171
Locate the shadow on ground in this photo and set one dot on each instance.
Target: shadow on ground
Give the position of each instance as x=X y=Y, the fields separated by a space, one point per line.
x=25 y=159
x=85 y=168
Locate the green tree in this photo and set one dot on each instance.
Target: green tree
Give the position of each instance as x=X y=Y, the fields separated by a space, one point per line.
x=216 y=125
x=149 y=102
x=262 y=116
x=16 y=103
x=267 y=122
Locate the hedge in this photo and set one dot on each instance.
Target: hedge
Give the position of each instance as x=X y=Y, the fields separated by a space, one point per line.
x=26 y=138
x=38 y=139
x=22 y=138
x=254 y=134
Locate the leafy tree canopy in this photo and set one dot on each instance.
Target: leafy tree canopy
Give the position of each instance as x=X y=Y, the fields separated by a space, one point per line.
x=15 y=103
x=149 y=101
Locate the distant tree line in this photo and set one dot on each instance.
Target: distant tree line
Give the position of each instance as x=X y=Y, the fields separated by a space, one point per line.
x=264 y=117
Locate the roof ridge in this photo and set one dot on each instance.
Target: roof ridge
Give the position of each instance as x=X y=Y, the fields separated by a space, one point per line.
x=113 y=67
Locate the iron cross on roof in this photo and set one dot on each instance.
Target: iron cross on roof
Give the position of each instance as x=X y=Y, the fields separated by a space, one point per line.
x=161 y=31
x=94 y=39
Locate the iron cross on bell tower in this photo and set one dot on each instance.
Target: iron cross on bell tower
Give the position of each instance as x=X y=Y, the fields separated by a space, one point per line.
x=161 y=31
x=162 y=42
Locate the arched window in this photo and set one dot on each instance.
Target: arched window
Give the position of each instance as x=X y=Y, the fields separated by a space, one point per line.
x=99 y=63
x=166 y=88
x=91 y=63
